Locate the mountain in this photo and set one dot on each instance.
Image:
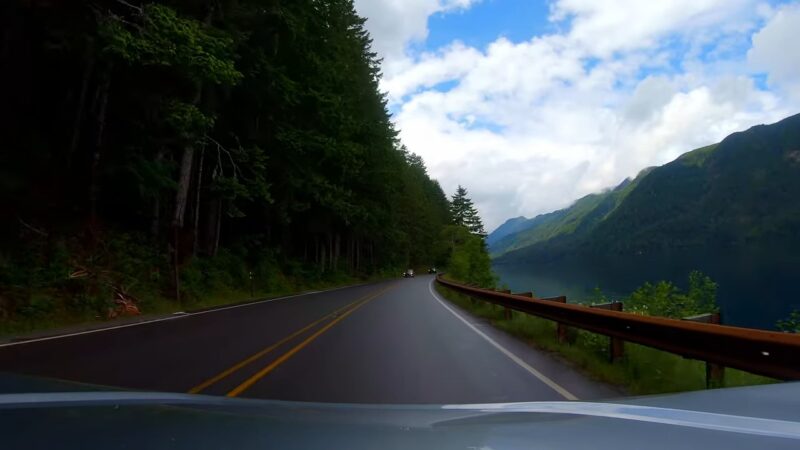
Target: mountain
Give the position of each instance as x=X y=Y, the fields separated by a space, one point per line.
x=510 y=226
x=742 y=192
x=577 y=219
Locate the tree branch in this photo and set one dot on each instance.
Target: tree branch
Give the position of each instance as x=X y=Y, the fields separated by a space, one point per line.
x=32 y=228
x=221 y=149
x=139 y=9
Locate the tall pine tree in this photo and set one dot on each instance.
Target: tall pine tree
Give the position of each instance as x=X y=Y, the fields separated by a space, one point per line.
x=465 y=214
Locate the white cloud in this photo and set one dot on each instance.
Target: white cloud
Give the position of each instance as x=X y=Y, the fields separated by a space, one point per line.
x=393 y=24
x=774 y=52
x=429 y=70
x=605 y=27
x=530 y=126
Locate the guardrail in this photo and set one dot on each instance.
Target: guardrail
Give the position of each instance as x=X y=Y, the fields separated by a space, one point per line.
x=768 y=353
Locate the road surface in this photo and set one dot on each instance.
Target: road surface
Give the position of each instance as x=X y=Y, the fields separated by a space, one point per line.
x=390 y=342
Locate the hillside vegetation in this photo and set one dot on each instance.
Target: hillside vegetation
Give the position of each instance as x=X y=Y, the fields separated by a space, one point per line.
x=580 y=218
x=177 y=149
x=741 y=192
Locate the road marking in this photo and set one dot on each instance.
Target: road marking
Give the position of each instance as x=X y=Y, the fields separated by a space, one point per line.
x=173 y=317
x=145 y=322
x=272 y=347
x=273 y=365
x=542 y=377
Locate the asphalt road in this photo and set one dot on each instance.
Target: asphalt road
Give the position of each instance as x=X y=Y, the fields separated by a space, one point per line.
x=389 y=342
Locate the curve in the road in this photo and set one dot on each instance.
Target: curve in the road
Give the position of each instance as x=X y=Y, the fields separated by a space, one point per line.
x=388 y=342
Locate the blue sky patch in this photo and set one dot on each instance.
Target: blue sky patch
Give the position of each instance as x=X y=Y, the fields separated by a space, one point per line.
x=486 y=21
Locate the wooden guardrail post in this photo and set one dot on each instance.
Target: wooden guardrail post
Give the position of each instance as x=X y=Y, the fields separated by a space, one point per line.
x=472 y=299
x=616 y=346
x=508 y=313
x=562 y=331
x=715 y=373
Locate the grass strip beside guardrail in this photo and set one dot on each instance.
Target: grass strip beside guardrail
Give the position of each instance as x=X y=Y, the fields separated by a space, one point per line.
x=642 y=370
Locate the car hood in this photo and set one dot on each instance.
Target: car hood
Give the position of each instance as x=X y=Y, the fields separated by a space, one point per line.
x=754 y=417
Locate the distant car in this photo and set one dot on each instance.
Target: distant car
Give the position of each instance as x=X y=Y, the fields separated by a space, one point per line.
x=408 y=273
x=432 y=270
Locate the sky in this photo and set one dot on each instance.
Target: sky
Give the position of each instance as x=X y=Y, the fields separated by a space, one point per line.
x=531 y=104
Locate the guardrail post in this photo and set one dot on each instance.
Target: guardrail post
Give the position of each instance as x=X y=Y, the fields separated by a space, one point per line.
x=508 y=313
x=472 y=299
x=616 y=346
x=562 y=331
x=715 y=373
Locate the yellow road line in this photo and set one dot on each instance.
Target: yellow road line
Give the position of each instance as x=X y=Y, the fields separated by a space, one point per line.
x=224 y=374
x=273 y=365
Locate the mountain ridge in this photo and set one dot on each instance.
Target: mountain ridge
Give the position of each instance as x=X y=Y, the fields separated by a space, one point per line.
x=578 y=217
x=741 y=191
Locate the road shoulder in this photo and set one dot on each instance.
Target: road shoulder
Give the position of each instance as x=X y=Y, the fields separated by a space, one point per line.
x=562 y=372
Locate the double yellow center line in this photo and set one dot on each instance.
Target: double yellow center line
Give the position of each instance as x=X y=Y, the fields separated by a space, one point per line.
x=338 y=315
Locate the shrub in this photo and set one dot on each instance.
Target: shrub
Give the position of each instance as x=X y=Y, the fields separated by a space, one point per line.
x=666 y=300
x=790 y=324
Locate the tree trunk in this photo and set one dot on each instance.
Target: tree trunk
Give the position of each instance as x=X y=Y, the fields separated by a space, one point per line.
x=323 y=258
x=371 y=256
x=76 y=125
x=155 y=224
x=176 y=275
x=101 y=108
x=196 y=237
x=218 y=229
x=338 y=247
x=350 y=259
x=184 y=180
x=330 y=251
x=358 y=254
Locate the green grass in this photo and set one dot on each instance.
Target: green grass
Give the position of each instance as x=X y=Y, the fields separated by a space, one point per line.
x=642 y=370
x=156 y=306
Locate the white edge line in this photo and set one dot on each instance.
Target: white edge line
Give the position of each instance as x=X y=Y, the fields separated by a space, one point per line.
x=542 y=377
x=164 y=319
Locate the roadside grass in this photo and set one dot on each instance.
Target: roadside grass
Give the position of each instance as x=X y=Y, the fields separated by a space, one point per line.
x=641 y=371
x=154 y=306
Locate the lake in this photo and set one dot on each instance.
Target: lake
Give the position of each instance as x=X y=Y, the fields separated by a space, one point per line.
x=756 y=287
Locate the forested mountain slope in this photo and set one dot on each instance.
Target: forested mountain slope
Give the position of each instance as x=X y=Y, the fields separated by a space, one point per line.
x=741 y=192
x=580 y=218
x=509 y=227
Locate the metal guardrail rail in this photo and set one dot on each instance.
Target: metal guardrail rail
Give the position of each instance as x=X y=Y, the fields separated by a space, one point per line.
x=768 y=353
